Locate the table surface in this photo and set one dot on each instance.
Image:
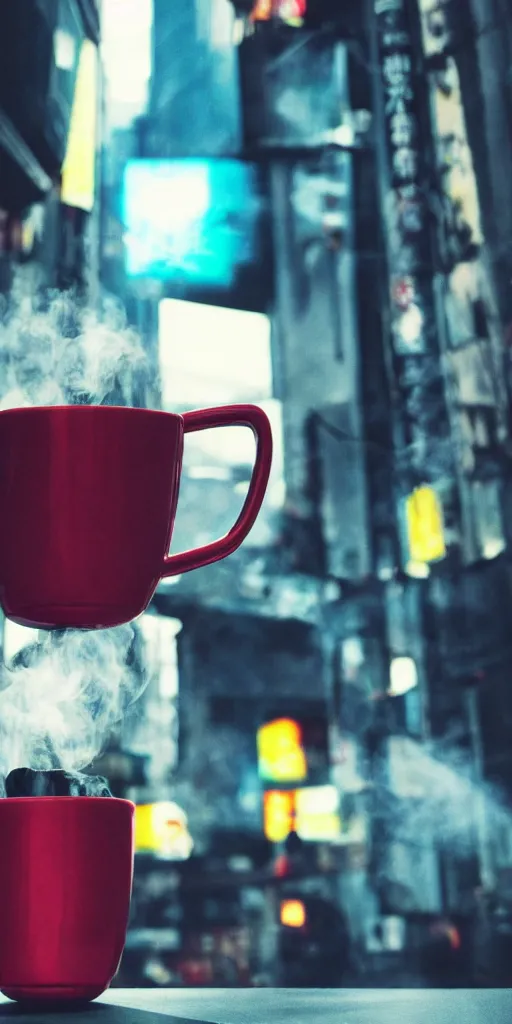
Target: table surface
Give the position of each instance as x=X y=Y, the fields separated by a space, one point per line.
x=283 y=1006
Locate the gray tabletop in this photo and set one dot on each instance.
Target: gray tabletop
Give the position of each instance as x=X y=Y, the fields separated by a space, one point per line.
x=284 y=1006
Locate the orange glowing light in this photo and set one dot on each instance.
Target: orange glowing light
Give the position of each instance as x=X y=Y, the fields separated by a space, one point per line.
x=293 y=914
x=262 y=10
x=280 y=753
x=450 y=932
x=290 y=11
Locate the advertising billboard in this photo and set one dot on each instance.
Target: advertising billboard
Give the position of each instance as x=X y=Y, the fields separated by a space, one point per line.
x=294 y=751
x=201 y=227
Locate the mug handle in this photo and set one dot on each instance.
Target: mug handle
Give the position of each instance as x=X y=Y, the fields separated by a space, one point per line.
x=229 y=416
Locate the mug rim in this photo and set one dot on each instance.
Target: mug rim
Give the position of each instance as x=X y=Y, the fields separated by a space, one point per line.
x=126 y=409
x=64 y=799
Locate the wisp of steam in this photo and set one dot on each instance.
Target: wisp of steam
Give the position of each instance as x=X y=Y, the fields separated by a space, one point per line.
x=56 y=353
x=66 y=694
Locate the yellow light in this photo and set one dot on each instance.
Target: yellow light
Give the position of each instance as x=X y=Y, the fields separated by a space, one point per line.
x=78 y=171
x=425 y=527
x=162 y=828
x=278 y=815
x=280 y=754
x=293 y=914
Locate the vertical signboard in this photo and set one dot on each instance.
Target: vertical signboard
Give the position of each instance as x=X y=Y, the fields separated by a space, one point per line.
x=474 y=340
x=78 y=170
x=408 y=226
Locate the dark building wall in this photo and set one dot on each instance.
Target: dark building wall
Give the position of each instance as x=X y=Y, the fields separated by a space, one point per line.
x=253 y=658
x=235 y=673
x=317 y=335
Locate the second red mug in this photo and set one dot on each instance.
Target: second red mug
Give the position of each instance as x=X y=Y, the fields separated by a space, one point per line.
x=88 y=498
x=66 y=868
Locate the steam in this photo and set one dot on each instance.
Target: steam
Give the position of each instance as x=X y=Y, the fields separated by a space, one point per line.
x=57 y=353
x=63 y=696
x=436 y=801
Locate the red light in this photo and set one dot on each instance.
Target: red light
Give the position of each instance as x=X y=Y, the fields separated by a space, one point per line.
x=282 y=866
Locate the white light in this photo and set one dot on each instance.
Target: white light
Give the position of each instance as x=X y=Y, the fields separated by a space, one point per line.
x=219 y=21
x=317 y=800
x=418 y=570
x=17 y=637
x=64 y=49
x=160 y=634
x=493 y=548
x=155 y=626
x=170 y=581
x=212 y=354
x=242 y=487
x=403 y=676
x=352 y=653
x=209 y=473
x=343 y=136
x=410 y=325
x=238 y=32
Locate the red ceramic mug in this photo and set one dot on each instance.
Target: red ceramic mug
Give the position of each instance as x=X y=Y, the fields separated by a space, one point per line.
x=66 y=866
x=88 y=497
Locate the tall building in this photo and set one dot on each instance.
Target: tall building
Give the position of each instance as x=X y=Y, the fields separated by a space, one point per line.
x=193 y=107
x=383 y=595
x=49 y=103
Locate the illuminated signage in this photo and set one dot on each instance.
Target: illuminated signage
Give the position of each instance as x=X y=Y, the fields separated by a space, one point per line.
x=312 y=812
x=78 y=171
x=278 y=815
x=293 y=914
x=162 y=829
x=193 y=223
x=425 y=527
x=408 y=231
x=403 y=676
x=281 y=756
x=317 y=816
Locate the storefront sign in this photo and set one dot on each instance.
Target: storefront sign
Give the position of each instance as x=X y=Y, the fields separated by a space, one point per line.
x=425 y=527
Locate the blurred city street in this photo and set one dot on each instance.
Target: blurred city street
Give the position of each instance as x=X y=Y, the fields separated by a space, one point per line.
x=303 y=205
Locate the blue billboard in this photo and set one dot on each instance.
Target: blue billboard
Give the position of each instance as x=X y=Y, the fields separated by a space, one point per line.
x=196 y=224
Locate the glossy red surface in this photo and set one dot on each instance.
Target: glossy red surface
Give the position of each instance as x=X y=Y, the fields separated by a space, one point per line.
x=88 y=498
x=65 y=884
